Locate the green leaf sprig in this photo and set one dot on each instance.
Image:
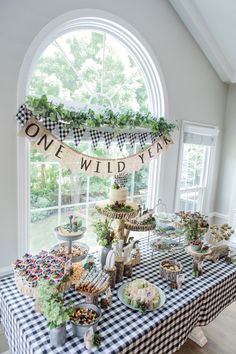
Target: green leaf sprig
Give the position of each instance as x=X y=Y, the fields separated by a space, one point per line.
x=52 y=302
x=41 y=106
x=104 y=231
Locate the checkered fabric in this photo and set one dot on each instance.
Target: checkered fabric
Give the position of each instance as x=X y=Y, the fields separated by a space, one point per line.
x=121 y=140
x=62 y=131
x=48 y=124
x=153 y=137
x=132 y=138
x=108 y=136
x=78 y=134
x=124 y=330
x=142 y=139
x=95 y=137
x=23 y=114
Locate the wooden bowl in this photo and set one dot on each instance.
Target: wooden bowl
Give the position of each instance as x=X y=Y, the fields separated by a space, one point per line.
x=170 y=274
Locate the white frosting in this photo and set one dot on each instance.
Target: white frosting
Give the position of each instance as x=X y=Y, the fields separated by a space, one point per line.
x=118 y=195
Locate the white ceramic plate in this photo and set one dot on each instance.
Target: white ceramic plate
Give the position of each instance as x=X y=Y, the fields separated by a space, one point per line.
x=122 y=299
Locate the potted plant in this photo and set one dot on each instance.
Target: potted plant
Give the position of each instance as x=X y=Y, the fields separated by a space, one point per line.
x=105 y=237
x=195 y=226
x=55 y=311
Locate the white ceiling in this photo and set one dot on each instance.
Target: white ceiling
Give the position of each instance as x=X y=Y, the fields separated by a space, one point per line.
x=213 y=25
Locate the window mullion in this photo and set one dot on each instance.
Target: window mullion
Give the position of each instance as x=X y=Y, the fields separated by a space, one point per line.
x=103 y=61
x=87 y=198
x=59 y=194
x=133 y=178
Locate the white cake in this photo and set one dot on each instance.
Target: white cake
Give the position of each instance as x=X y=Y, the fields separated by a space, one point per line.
x=118 y=195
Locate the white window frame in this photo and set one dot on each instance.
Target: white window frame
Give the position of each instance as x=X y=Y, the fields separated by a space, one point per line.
x=154 y=81
x=153 y=167
x=204 y=204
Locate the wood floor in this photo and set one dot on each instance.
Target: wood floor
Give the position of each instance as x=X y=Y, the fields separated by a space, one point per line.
x=221 y=335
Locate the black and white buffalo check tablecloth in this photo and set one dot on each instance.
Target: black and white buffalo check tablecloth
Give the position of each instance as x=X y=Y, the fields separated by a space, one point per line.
x=124 y=330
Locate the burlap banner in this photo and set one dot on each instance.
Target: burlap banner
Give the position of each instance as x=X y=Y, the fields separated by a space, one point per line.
x=49 y=145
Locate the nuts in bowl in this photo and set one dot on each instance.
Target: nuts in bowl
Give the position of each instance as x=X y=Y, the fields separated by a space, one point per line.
x=79 y=250
x=84 y=317
x=169 y=269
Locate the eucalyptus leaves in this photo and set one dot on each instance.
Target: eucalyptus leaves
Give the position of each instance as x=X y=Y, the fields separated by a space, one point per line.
x=52 y=302
x=105 y=233
x=42 y=107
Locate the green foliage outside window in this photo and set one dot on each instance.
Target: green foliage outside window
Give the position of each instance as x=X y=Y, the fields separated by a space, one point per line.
x=88 y=68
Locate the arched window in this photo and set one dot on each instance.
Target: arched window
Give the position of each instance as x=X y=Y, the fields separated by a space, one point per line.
x=88 y=62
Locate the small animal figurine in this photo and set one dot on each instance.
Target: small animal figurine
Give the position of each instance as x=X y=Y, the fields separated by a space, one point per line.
x=92 y=340
x=118 y=248
x=110 y=260
x=71 y=221
x=136 y=244
x=89 y=262
x=218 y=252
x=127 y=252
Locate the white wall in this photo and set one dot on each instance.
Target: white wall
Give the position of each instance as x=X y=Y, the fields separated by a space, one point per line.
x=226 y=196
x=195 y=92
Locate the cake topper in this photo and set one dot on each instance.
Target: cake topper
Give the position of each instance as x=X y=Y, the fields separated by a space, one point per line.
x=121 y=179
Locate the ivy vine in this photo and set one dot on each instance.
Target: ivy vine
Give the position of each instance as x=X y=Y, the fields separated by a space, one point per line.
x=41 y=106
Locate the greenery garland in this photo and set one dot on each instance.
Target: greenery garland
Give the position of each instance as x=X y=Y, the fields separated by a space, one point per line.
x=90 y=119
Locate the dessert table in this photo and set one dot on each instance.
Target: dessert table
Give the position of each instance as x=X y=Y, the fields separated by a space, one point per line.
x=123 y=330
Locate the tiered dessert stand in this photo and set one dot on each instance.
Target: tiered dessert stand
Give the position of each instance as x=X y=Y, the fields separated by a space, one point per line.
x=124 y=262
x=121 y=217
x=69 y=239
x=131 y=226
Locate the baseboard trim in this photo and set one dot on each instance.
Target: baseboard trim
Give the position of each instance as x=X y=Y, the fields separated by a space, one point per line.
x=4 y=271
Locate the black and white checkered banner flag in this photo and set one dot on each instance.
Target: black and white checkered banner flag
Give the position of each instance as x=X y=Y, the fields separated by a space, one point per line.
x=63 y=132
x=108 y=136
x=121 y=140
x=95 y=137
x=132 y=138
x=142 y=139
x=78 y=134
x=23 y=114
x=48 y=124
x=153 y=137
x=51 y=145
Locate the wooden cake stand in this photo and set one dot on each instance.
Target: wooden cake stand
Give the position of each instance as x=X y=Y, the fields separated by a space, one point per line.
x=129 y=226
x=120 y=216
x=139 y=227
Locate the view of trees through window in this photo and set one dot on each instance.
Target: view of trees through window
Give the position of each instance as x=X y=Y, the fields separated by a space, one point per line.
x=193 y=176
x=90 y=68
x=82 y=68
